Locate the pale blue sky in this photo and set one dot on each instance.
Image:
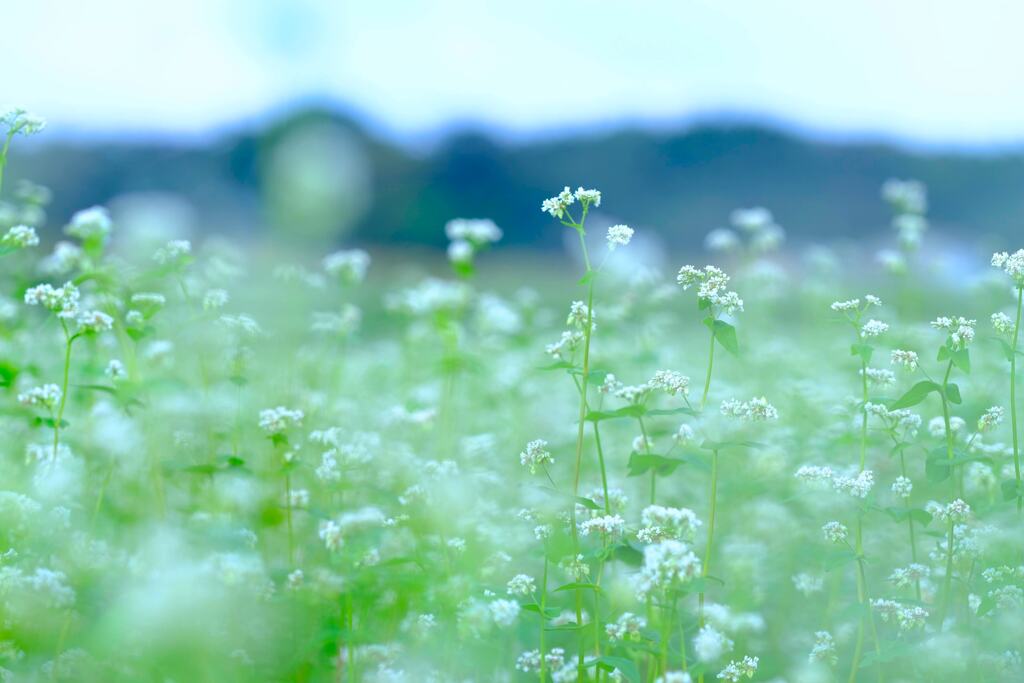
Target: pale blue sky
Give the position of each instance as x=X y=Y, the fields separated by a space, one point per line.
x=940 y=72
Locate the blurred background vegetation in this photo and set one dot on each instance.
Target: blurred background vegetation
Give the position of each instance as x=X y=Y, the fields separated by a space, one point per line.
x=318 y=175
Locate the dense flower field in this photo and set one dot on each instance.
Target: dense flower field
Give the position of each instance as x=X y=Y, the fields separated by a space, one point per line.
x=216 y=469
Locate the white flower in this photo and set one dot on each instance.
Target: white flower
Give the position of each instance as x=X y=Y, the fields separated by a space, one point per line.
x=607 y=525
x=93 y=223
x=754 y=410
x=906 y=359
x=18 y=120
x=556 y=206
x=873 y=328
x=961 y=330
x=588 y=198
x=1011 y=264
x=752 y=220
x=666 y=564
x=460 y=251
x=905 y=196
x=61 y=300
x=504 y=612
x=711 y=286
x=737 y=670
x=671 y=382
x=19 y=237
x=174 y=252
x=627 y=626
x=902 y=487
x=991 y=417
x=115 y=370
x=46 y=396
x=1002 y=323
x=835 y=532
x=710 y=644
x=349 y=266
x=824 y=649
x=858 y=486
x=276 y=420
x=536 y=455
x=619 y=236
x=215 y=299
x=476 y=231
x=521 y=584
x=94 y=321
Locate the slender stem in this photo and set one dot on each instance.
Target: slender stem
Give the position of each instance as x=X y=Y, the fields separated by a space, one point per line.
x=1013 y=399
x=707 y=377
x=647 y=451
x=288 y=515
x=69 y=340
x=705 y=569
x=604 y=474
x=543 y=618
x=910 y=526
x=3 y=154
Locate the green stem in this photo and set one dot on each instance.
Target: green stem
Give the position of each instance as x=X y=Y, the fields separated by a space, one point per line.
x=69 y=340
x=1013 y=399
x=604 y=474
x=543 y=618
x=707 y=377
x=647 y=450
x=288 y=515
x=706 y=568
x=3 y=155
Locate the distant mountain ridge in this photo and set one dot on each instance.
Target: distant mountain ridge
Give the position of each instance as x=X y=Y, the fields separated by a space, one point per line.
x=680 y=183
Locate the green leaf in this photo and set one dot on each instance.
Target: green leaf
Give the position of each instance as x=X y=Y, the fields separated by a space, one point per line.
x=588 y=277
x=1009 y=488
x=902 y=514
x=953 y=394
x=587 y=503
x=915 y=395
x=839 y=558
x=578 y=586
x=709 y=445
x=549 y=612
x=703 y=304
x=862 y=350
x=627 y=667
x=640 y=463
x=633 y=411
x=962 y=359
x=50 y=422
x=937 y=468
x=725 y=334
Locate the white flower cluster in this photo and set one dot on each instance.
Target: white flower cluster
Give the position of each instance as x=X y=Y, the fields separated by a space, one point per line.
x=521 y=584
x=710 y=643
x=991 y=418
x=902 y=487
x=754 y=410
x=619 y=236
x=901 y=417
x=674 y=677
x=909 y=575
x=660 y=523
x=1002 y=323
x=46 y=396
x=1011 y=264
x=711 y=286
x=627 y=626
x=349 y=266
x=476 y=230
x=824 y=649
x=174 y=252
x=873 y=328
x=953 y=513
x=92 y=224
x=63 y=301
x=536 y=455
x=858 y=486
x=905 y=359
x=556 y=206
x=19 y=237
x=666 y=565
x=758 y=222
x=276 y=420
x=906 y=617
x=961 y=330
x=735 y=671
x=880 y=376
x=905 y=196
x=854 y=304
x=607 y=525
x=671 y=382
x=20 y=121
x=835 y=532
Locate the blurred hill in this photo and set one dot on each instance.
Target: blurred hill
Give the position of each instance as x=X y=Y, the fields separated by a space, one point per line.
x=320 y=175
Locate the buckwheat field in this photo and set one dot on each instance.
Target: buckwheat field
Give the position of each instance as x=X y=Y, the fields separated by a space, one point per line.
x=225 y=464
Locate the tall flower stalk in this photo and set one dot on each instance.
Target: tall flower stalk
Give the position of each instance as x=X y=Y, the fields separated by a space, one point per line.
x=1013 y=266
